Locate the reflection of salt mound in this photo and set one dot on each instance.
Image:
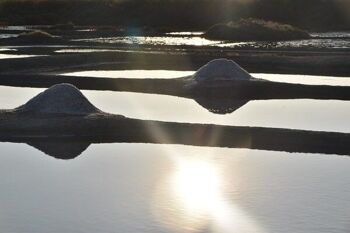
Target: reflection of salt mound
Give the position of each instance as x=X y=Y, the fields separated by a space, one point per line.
x=220 y=106
x=59 y=99
x=221 y=69
x=61 y=150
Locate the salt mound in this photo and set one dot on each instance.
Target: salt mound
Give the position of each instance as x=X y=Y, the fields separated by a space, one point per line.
x=221 y=69
x=37 y=34
x=59 y=99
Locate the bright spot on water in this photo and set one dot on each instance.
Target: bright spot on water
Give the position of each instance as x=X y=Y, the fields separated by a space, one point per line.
x=194 y=199
x=196 y=184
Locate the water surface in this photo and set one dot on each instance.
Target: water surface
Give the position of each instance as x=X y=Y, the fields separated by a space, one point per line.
x=171 y=188
x=5 y=36
x=340 y=34
x=86 y=50
x=11 y=56
x=153 y=40
x=334 y=40
x=131 y=73
x=165 y=74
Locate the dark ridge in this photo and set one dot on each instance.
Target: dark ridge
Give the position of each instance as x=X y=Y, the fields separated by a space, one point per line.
x=62 y=26
x=117 y=129
x=35 y=37
x=255 y=30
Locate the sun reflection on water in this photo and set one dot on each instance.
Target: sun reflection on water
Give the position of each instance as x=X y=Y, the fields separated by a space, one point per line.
x=196 y=184
x=192 y=199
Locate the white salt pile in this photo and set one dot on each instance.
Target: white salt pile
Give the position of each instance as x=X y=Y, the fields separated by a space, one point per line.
x=59 y=99
x=221 y=69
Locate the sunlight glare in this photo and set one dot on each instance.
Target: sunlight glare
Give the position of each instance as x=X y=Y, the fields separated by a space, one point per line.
x=197 y=185
x=193 y=199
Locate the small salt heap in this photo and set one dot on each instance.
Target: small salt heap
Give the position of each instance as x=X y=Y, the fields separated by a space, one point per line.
x=221 y=69
x=59 y=99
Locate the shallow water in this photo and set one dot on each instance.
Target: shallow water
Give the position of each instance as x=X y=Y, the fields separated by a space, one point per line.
x=331 y=34
x=313 y=43
x=86 y=50
x=5 y=36
x=321 y=115
x=285 y=78
x=131 y=73
x=167 y=188
x=317 y=42
x=184 y=33
x=6 y=49
x=11 y=56
x=305 y=79
x=335 y=40
x=158 y=40
x=17 y=28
